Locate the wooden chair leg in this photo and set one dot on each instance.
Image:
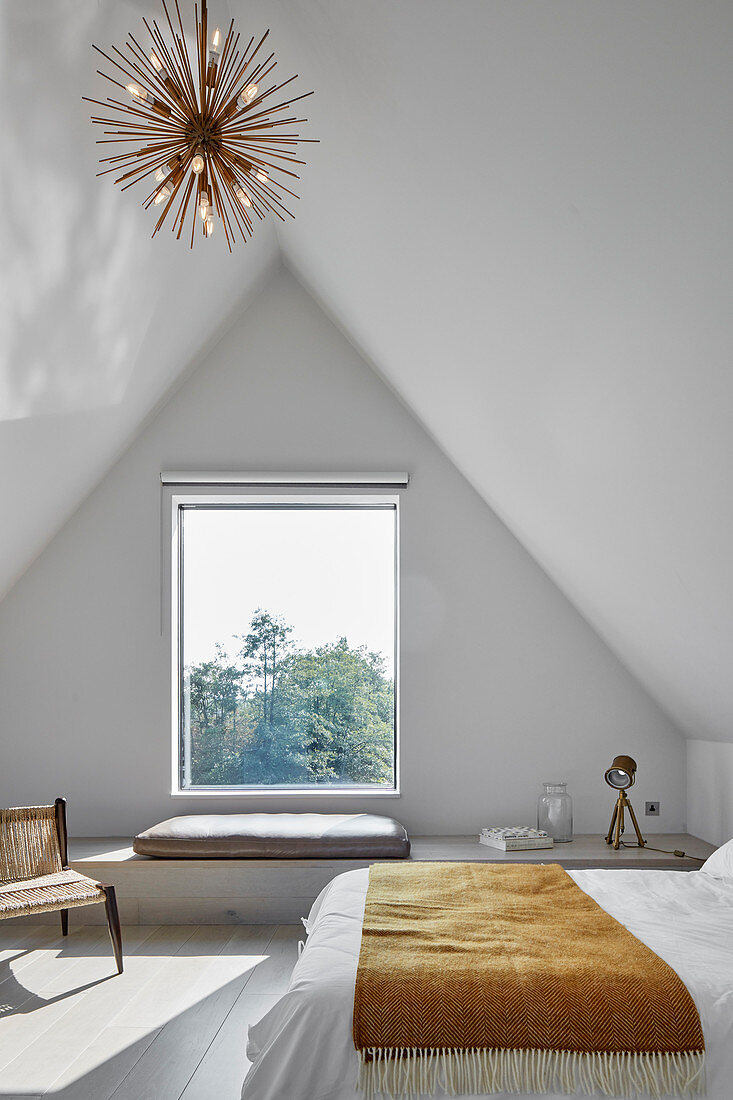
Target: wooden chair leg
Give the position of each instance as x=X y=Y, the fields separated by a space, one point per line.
x=64 y=922
x=113 y=921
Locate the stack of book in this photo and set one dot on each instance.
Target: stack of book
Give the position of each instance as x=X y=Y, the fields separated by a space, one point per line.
x=515 y=838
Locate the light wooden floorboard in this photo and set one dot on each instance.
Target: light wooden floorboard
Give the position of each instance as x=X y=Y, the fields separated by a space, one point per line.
x=220 y=1072
x=36 y=1066
x=171 y=993
x=171 y=1060
x=26 y=1009
x=86 y=1026
x=173 y=1025
x=274 y=973
x=19 y=943
x=48 y=958
x=103 y=1064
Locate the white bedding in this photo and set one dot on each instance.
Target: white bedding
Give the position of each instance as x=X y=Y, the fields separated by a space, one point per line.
x=303 y=1049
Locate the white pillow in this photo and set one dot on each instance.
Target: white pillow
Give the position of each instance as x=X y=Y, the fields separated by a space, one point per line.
x=720 y=863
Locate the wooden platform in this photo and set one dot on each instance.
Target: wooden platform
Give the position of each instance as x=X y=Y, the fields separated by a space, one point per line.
x=251 y=891
x=173 y=1026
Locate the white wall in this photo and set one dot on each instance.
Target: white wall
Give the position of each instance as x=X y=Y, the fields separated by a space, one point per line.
x=710 y=790
x=503 y=683
x=564 y=324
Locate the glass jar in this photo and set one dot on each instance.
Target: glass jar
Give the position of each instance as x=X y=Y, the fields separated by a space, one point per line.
x=555 y=812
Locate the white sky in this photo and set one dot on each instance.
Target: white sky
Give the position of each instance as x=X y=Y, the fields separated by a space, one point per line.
x=329 y=573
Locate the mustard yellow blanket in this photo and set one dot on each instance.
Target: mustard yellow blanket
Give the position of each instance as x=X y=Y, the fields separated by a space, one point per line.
x=481 y=978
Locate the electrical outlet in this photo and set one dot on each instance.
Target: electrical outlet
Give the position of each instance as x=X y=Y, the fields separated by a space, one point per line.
x=652 y=809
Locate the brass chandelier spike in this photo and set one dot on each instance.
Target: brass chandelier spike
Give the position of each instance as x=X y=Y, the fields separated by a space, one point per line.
x=206 y=135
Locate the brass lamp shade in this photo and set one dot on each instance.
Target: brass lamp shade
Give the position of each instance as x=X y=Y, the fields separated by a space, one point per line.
x=622 y=773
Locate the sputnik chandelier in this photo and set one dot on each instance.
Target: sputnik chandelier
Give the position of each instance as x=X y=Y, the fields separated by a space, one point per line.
x=207 y=135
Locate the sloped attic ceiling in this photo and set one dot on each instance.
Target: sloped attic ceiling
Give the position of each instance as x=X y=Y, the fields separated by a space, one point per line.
x=96 y=320
x=518 y=212
x=521 y=214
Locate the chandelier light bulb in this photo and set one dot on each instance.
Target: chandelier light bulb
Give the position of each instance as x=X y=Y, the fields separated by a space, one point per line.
x=159 y=175
x=161 y=195
x=262 y=175
x=209 y=225
x=204 y=205
x=197 y=164
x=247 y=94
x=242 y=196
x=158 y=66
x=137 y=92
x=214 y=51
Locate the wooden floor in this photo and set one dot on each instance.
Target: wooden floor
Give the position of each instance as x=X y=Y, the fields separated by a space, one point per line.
x=174 y=1024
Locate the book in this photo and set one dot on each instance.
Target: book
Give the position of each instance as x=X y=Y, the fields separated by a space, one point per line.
x=515 y=838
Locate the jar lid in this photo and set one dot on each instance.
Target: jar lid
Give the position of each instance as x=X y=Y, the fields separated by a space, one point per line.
x=555 y=783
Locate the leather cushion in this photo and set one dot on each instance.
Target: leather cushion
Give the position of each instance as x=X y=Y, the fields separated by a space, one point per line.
x=275 y=836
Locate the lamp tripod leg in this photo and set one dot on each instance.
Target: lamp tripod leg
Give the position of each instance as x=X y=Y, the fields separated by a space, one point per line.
x=639 y=837
x=619 y=823
x=609 y=836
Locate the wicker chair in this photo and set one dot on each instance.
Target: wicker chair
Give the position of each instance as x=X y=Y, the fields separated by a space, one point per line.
x=35 y=876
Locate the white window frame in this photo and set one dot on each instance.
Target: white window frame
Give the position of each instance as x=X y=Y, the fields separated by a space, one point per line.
x=367 y=498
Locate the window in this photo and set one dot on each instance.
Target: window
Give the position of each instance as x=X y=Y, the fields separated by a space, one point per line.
x=285 y=654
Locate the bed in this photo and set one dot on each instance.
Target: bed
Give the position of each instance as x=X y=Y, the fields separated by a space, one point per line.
x=303 y=1048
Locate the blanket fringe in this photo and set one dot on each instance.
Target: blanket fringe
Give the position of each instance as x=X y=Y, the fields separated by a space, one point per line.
x=406 y=1074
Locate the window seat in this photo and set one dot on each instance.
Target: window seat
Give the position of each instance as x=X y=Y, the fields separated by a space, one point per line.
x=281 y=891
x=275 y=836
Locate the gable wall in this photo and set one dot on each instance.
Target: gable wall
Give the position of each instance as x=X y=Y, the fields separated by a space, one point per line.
x=503 y=684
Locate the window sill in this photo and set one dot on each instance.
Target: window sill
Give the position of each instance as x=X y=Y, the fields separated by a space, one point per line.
x=280 y=792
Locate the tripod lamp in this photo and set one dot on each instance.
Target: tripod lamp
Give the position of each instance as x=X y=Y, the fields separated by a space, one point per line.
x=621 y=776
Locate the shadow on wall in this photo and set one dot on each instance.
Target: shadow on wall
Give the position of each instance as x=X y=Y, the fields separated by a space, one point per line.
x=74 y=253
x=87 y=292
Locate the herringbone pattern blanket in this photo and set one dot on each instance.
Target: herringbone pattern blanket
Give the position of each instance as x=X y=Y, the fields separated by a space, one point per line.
x=511 y=977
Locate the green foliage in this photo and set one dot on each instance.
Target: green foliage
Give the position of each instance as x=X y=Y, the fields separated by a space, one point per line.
x=280 y=716
x=212 y=709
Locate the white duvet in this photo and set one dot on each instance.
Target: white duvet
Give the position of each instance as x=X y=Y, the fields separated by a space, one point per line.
x=303 y=1050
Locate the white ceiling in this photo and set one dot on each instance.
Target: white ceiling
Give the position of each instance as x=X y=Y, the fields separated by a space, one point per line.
x=96 y=320
x=519 y=212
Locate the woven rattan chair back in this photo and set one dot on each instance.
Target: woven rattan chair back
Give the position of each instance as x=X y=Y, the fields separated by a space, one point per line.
x=29 y=843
